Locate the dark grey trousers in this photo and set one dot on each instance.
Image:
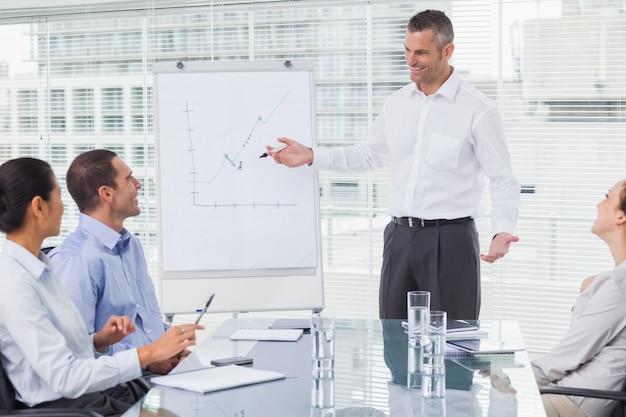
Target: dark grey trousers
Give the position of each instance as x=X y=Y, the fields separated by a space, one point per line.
x=110 y=403
x=444 y=260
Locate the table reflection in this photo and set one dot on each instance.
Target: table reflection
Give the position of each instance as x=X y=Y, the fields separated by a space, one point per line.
x=461 y=394
x=370 y=377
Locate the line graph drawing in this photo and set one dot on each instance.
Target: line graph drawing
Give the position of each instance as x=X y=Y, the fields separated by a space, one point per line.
x=260 y=120
x=228 y=161
x=215 y=191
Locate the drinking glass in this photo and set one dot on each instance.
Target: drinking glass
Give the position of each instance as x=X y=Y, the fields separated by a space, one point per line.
x=418 y=304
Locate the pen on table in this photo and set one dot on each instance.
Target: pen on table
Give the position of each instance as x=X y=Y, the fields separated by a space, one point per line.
x=275 y=149
x=206 y=307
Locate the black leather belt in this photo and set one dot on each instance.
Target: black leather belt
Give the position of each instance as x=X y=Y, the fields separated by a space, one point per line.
x=417 y=222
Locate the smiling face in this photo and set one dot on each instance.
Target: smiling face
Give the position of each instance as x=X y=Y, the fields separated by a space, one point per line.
x=609 y=209
x=428 y=64
x=124 y=197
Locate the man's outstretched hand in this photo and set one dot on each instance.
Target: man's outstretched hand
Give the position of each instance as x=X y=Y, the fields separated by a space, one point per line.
x=499 y=247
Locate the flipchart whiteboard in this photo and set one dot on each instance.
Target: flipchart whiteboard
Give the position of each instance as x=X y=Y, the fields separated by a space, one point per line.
x=229 y=221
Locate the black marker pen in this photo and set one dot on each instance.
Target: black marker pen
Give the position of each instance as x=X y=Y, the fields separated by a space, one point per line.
x=276 y=149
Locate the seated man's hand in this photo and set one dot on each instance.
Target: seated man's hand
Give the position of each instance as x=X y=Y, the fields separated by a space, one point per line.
x=163 y=367
x=115 y=329
x=162 y=355
x=183 y=354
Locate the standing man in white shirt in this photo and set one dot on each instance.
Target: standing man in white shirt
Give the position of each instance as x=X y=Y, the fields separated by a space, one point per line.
x=438 y=134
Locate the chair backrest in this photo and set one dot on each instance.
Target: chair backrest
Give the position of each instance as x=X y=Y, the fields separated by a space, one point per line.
x=7 y=392
x=47 y=249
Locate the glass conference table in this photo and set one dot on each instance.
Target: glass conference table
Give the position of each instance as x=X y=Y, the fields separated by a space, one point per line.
x=370 y=377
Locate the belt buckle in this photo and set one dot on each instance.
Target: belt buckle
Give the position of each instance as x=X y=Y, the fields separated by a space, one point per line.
x=412 y=222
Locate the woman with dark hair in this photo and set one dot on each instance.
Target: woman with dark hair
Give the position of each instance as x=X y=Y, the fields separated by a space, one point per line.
x=45 y=349
x=592 y=354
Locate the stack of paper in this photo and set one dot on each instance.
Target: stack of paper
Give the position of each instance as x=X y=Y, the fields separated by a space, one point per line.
x=467 y=334
x=215 y=379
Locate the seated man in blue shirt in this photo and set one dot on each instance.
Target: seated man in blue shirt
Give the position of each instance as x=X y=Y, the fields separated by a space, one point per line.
x=101 y=265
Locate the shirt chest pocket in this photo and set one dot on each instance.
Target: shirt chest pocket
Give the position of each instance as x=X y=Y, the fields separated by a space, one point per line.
x=444 y=151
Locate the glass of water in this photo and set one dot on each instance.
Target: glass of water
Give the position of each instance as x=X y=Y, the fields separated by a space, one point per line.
x=323 y=341
x=323 y=389
x=434 y=342
x=434 y=350
x=418 y=304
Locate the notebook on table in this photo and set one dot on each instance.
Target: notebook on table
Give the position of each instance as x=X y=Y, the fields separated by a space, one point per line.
x=454 y=326
x=485 y=346
x=460 y=330
x=275 y=335
x=216 y=379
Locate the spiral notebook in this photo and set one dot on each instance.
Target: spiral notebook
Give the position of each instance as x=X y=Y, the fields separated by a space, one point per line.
x=275 y=335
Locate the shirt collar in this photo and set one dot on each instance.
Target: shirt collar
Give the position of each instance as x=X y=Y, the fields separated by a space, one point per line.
x=109 y=237
x=35 y=266
x=448 y=89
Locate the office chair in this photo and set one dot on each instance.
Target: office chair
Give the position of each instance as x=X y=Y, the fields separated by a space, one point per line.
x=619 y=396
x=47 y=249
x=10 y=406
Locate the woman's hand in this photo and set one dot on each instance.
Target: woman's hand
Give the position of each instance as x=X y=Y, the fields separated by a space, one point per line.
x=115 y=329
x=174 y=341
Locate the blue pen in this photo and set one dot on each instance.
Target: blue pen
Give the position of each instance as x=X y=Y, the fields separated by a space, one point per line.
x=206 y=307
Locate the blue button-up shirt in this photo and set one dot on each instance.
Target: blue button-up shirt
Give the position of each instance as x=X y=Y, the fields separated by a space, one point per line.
x=106 y=274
